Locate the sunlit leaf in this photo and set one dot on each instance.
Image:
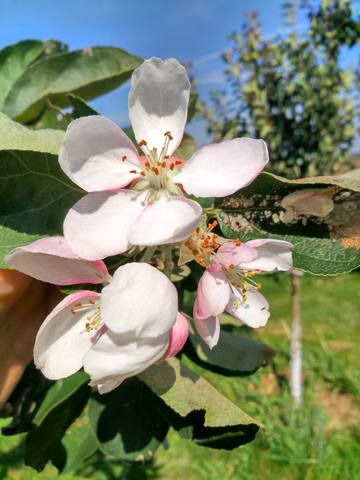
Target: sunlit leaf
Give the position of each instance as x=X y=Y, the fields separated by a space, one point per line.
x=196 y=409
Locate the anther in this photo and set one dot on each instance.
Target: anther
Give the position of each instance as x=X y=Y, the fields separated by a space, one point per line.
x=132 y=171
x=212 y=225
x=178 y=162
x=237 y=242
x=124 y=158
x=142 y=143
x=172 y=166
x=168 y=135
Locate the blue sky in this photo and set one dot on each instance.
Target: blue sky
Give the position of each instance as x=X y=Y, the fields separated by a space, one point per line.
x=189 y=30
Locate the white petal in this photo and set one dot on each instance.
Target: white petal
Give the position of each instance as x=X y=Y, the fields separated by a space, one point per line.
x=97 y=225
x=158 y=102
x=167 y=220
x=221 y=169
x=62 y=340
x=212 y=296
x=140 y=301
x=209 y=330
x=109 y=385
x=92 y=153
x=51 y=260
x=254 y=311
x=271 y=255
x=115 y=357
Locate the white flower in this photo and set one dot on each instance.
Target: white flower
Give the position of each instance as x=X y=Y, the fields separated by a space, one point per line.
x=116 y=334
x=134 y=200
x=131 y=324
x=227 y=284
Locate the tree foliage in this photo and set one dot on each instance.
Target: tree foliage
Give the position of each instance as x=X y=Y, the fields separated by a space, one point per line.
x=292 y=90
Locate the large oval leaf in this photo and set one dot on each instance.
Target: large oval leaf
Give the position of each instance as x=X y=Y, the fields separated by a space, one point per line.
x=323 y=246
x=196 y=409
x=14 y=60
x=88 y=73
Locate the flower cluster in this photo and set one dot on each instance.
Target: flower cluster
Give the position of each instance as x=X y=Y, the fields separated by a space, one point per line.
x=138 y=196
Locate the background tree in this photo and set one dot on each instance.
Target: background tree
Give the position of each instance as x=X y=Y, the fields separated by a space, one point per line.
x=292 y=90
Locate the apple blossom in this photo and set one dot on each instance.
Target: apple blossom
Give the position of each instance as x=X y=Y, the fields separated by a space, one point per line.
x=133 y=200
x=227 y=283
x=113 y=334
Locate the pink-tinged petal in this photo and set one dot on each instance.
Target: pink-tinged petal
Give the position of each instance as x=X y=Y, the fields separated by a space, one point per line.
x=209 y=330
x=230 y=254
x=272 y=255
x=97 y=225
x=92 y=154
x=51 y=260
x=158 y=102
x=62 y=340
x=167 y=220
x=221 y=169
x=178 y=335
x=254 y=311
x=116 y=357
x=140 y=300
x=212 y=296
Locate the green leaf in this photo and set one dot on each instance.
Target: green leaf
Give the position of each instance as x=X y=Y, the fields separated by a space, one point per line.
x=196 y=409
x=79 y=442
x=14 y=60
x=49 y=473
x=233 y=355
x=58 y=393
x=25 y=401
x=345 y=181
x=44 y=442
x=17 y=137
x=87 y=73
x=193 y=106
x=35 y=194
x=187 y=147
x=80 y=108
x=52 y=118
x=128 y=422
x=319 y=245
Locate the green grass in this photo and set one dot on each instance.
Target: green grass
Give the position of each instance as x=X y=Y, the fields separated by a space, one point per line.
x=319 y=442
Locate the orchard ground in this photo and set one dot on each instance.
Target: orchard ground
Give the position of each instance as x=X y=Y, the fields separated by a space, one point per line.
x=320 y=441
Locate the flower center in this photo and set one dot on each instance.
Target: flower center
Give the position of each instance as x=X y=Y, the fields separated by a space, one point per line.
x=203 y=244
x=242 y=279
x=158 y=169
x=93 y=319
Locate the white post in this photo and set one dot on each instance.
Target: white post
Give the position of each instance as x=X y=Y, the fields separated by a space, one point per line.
x=296 y=385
